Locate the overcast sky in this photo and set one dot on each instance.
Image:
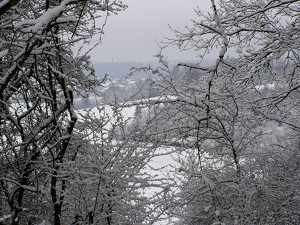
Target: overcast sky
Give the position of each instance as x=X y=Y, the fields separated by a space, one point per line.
x=132 y=35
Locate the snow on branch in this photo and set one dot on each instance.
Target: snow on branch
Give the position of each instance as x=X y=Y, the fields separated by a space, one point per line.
x=38 y=189
x=6 y=5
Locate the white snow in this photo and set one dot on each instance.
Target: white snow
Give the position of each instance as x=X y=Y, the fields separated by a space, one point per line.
x=208 y=181
x=5 y=217
x=3 y=3
x=47 y=17
x=207 y=208
x=269 y=86
x=162 y=166
x=3 y=53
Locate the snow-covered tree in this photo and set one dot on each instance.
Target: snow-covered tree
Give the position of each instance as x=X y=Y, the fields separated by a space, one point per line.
x=108 y=179
x=238 y=165
x=42 y=65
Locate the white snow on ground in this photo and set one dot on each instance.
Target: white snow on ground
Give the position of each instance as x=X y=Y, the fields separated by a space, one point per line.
x=161 y=167
x=108 y=111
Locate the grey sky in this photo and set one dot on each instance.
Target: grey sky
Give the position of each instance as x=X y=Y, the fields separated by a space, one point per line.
x=132 y=35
